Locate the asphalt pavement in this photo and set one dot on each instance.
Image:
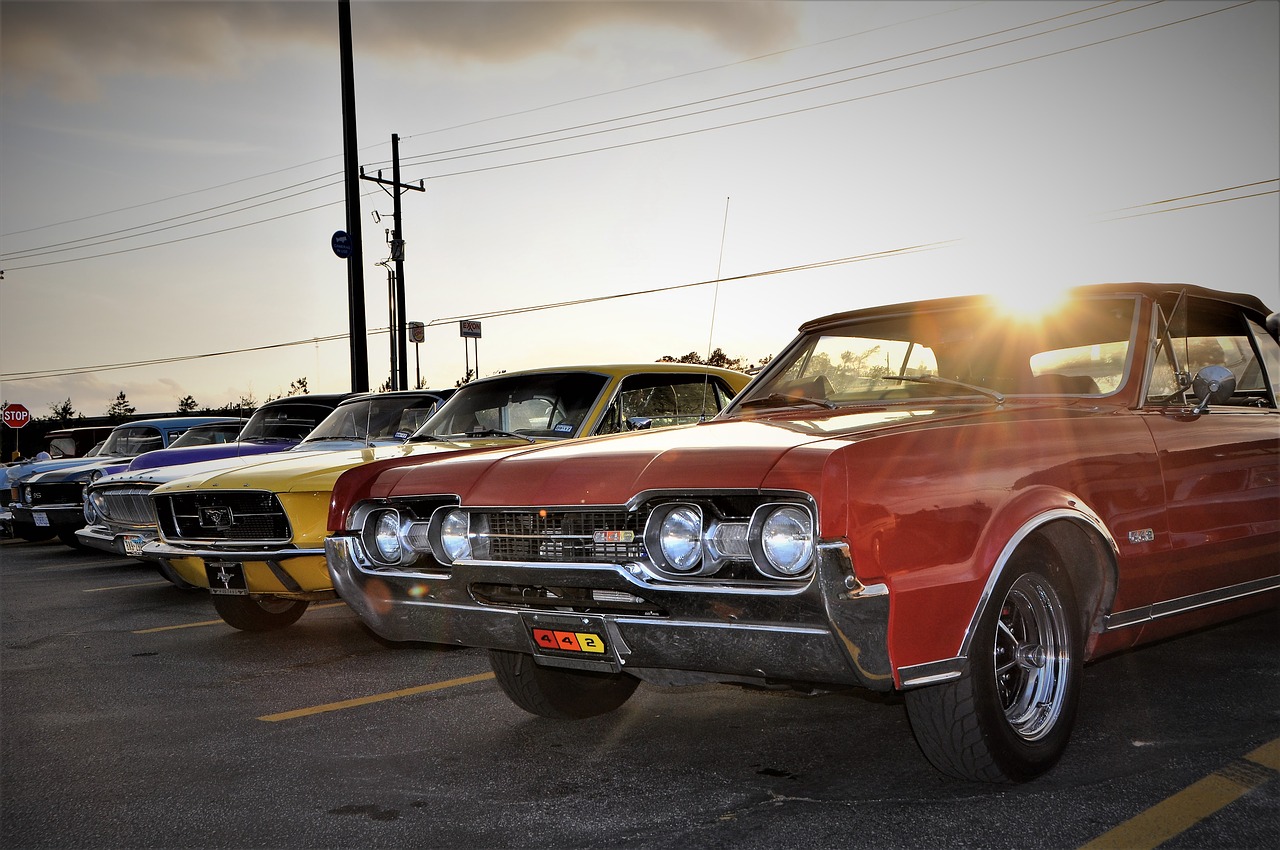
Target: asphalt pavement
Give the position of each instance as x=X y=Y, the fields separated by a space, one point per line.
x=131 y=716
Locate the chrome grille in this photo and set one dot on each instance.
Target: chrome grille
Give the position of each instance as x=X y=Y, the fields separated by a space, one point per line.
x=129 y=506
x=563 y=536
x=242 y=516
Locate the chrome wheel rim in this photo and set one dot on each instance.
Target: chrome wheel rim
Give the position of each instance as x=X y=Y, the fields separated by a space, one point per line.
x=1032 y=657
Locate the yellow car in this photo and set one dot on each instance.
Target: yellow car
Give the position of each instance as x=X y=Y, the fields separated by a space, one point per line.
x=254 y=535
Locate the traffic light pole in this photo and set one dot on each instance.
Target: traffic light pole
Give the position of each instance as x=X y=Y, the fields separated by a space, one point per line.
x=399 y=333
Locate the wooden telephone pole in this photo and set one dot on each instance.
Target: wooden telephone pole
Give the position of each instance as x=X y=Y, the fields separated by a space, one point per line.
x=399 y=327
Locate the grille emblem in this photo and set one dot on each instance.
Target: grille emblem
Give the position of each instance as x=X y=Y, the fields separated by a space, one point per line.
x=219 y=518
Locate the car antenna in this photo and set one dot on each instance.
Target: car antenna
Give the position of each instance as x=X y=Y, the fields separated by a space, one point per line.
x=715 y=299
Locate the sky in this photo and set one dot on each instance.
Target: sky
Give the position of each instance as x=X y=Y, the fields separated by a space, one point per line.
x=676 y=176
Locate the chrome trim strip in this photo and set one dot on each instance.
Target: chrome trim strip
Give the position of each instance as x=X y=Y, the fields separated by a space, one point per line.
x=785 y=588
x=1186 y=604
x=1077 y=513
x=160 y=549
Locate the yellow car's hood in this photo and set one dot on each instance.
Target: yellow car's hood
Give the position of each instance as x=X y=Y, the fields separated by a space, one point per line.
x=309 y=472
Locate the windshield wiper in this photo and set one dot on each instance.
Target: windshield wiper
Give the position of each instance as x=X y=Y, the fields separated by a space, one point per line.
x=784 y=400
x=494 y=432
x=947 y=382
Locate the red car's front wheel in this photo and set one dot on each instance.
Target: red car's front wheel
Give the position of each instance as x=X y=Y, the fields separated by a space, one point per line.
x=1009 y=716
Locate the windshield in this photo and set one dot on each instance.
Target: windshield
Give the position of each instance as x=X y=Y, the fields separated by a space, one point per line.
x=132 y=441
x=966 y=350
x=389 y=419
x=204 y=435
x=284 y=423
x=551 y=405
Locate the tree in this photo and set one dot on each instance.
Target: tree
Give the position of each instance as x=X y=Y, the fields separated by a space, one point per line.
x=121 y=409
x=298 y=387
x=62 y=411
x=243 y=404
x=187 y=404
x=716 y=358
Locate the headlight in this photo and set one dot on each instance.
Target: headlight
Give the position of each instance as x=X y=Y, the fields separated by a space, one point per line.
x=90 y=509
x=673 y=536
x=382 y=536
x=455 y=535
x=784 y=534
x=95 y=475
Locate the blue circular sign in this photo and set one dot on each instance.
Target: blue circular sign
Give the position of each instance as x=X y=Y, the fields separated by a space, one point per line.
x=341 y=243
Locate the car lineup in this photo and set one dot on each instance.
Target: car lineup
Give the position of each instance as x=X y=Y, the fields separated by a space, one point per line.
x=254 y=536
x=46 y=497
x=118 y=514
x=943 y=499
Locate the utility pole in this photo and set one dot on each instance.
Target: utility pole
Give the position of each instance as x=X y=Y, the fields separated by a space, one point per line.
x=355 y=262
x=399 y=332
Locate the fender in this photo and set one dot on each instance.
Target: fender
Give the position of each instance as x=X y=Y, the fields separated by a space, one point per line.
x=964 y=597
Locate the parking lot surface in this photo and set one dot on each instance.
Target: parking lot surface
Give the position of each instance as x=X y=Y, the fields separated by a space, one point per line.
x=133 y=717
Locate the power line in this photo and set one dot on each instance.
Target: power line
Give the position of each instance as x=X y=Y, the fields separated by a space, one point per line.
x=439 y=156
x=726 y=125
x=487 y=120
x=80 y=370
x=28 y=253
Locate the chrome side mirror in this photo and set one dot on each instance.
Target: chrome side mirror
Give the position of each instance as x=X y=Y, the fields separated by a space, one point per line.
x=639 y=423
x=1213 y=384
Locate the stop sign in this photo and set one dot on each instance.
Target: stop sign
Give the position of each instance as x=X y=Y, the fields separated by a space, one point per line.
x=15 y=415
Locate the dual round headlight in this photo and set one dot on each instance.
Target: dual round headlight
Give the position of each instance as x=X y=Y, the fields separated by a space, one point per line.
x=393 y=538
x=778 y=538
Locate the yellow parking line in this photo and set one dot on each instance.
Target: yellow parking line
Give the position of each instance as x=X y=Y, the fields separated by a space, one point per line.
x=126 y=586
x=352 y=703
x=179 y=626
x=216 y=622
x=1194 y=803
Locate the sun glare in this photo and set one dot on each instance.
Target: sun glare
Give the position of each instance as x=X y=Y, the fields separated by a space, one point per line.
x=1029 y=303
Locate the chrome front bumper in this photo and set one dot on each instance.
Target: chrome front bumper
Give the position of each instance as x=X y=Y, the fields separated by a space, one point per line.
x=830 y=631
x=107 y=540
x=161 y=549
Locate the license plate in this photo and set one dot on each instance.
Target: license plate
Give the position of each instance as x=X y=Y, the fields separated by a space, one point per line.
x=562 y=636
x=41 y=519
x=226 y=578
x=133 y=544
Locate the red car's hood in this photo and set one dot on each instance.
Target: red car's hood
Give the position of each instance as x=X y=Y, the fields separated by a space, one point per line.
x=723 y=454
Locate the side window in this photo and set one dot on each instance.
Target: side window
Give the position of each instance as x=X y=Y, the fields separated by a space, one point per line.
x=1200 y=333
x=660 y=401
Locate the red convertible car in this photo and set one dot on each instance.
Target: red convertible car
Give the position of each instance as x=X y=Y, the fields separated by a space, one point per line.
x=940 y=498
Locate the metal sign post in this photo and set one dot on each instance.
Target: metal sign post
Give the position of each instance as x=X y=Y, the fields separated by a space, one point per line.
x=470 y=329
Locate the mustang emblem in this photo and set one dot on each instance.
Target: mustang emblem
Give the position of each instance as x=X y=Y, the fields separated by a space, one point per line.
x=218 y=519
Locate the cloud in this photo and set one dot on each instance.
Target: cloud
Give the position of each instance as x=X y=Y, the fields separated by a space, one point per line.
x=68 y=48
